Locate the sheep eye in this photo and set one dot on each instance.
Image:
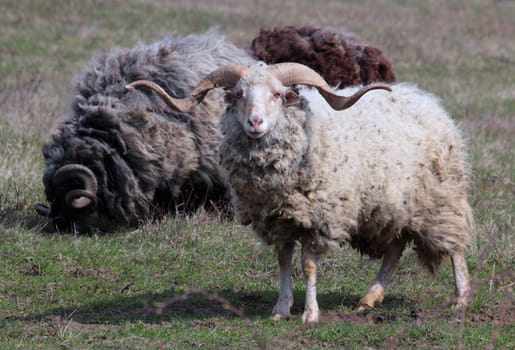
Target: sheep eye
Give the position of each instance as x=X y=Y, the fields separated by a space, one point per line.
x=276 y=95
x=232 y=96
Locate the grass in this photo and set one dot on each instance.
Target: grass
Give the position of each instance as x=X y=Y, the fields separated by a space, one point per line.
x=199 y=282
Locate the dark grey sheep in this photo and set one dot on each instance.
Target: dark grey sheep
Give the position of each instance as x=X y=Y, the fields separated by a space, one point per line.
x=121 y=153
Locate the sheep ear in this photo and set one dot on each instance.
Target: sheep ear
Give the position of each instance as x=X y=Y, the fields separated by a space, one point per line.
x=290 y=97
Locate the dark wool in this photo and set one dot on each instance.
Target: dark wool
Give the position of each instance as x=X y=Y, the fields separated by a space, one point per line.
x=339 y=56
x=146 y=159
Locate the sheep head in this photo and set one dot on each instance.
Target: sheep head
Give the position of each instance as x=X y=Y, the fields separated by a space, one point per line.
x=74 y=195
x=258 y=93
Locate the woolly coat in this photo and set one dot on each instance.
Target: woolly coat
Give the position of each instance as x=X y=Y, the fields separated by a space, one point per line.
x=144 y=157
x=393 y=166
x=340 y=57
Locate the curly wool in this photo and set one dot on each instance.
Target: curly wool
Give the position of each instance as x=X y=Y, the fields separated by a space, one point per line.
x=145 y=158
x=393 y=166
x=339 y=56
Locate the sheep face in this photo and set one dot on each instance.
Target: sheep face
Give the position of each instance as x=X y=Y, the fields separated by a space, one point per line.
x=258 y=100
x=66 y=218
x=70 y=188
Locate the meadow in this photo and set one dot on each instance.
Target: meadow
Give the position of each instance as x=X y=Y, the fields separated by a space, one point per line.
x=201 y=282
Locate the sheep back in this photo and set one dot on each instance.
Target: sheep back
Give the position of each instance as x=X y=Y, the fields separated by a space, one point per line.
x=339 y=56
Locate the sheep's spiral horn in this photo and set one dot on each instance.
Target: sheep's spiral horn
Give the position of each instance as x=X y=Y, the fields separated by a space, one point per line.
x=226 y=76
x=177 y=104
x=287 y=73
x=78 y=198
x=42 y=210
x=290 y=73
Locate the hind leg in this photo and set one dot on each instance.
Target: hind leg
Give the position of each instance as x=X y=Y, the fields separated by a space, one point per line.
x=375 y=293
x=461 y=279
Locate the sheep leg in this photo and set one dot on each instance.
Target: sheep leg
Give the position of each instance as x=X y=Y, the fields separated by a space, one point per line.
x=285 y=301
x=309 y=269
x=461 y=279
x=375 y=293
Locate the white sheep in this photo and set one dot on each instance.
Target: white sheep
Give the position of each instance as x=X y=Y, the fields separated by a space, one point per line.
x=389 y=170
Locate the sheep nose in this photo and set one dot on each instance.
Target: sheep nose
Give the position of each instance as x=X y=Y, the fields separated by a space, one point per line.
x=255 y=122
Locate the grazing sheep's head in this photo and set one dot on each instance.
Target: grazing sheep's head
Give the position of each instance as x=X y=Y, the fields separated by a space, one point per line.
x=257 y=94
x=73 y=197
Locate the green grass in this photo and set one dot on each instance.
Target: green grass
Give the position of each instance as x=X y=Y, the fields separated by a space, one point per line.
x=104 y=291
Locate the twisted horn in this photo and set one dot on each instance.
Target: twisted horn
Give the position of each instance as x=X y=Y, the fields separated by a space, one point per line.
x=294 y=73
x=225 y=77
x=42 y=210
x=78 y=198
x=182 y=105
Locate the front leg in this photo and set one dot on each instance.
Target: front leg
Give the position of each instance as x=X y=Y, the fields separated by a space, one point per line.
x=309 y=269
x=285 y=301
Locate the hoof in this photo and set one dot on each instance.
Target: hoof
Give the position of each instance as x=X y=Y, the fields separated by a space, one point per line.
x=460 y=300
x=459 y=303
x=310 y=317
x=363 y=309
x=279 y=316
x=281 y=310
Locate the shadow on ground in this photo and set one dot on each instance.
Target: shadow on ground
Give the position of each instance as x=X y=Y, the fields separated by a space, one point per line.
x=192 y=305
